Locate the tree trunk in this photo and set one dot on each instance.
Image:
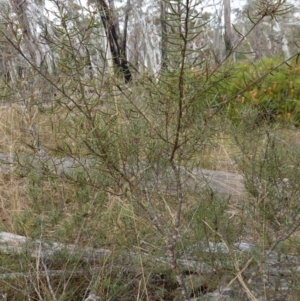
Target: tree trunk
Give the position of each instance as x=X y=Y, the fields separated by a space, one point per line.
x=117 y=43
x=31 y=45
x=163 y=35
x=218 y=47
x=227 y=23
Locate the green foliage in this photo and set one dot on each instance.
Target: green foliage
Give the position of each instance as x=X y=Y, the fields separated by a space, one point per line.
x=272 y=91
x=123 y=163
x=211 y=220
x=274 y=95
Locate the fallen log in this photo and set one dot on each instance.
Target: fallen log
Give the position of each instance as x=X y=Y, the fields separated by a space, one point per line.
x=224 y=183
x=273 y=266
x=11 y=243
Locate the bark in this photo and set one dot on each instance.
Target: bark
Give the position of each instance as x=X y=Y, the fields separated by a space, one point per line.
x=11 y=243
x=30 y=43
x=282 y=41
x=226 y=184
x=258 y=43
x=227 y=22
x=89 y=67
x=117 y=43
x=217 y=42
x=163 y=35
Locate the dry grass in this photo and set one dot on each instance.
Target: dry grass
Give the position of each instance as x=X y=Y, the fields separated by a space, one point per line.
x=60 y=196
x=220 y=154
x=55 y=209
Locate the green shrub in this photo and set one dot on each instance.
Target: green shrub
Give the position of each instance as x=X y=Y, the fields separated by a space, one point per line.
x=244 y=86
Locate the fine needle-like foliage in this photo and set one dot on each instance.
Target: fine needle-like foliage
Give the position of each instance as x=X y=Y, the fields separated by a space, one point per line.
x=123 y=189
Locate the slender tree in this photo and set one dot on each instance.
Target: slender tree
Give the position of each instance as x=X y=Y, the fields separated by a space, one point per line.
x=163 y=34
x=227 y=25
x=117 y=42
x=30 y=43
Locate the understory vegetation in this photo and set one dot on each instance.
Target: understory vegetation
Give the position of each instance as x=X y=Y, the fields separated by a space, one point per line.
x=131 y=191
